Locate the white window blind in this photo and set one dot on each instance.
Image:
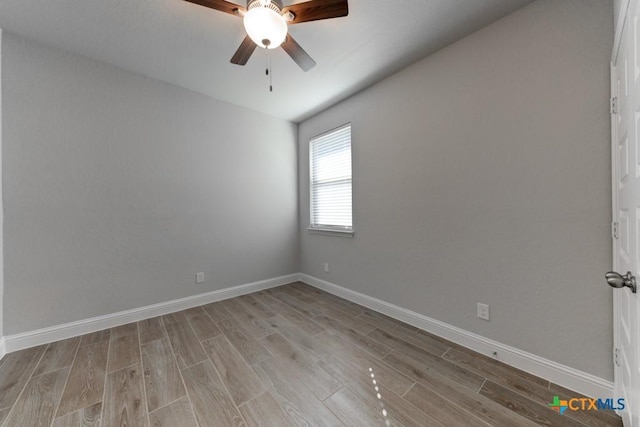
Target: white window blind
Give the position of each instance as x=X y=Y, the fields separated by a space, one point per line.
x=330 y=164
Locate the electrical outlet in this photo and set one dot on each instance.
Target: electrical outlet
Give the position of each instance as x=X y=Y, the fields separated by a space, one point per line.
x=326 y=267
x=483 y=311
x=199 y=277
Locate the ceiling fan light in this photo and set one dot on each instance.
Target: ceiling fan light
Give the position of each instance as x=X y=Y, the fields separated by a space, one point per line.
x=265 y=27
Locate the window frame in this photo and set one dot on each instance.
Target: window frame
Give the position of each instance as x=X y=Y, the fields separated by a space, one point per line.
x=335 y=230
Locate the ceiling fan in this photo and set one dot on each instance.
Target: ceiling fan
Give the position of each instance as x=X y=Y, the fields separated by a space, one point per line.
x=266 y=24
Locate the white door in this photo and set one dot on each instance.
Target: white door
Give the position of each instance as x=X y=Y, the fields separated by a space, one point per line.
x=625 y=75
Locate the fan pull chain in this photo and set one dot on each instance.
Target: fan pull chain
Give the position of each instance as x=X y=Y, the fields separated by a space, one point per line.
x=270 y=76
x=268 y=70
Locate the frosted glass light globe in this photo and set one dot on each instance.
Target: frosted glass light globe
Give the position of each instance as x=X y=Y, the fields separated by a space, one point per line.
x=265 y=27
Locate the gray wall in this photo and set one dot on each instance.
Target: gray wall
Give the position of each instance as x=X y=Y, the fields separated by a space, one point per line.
x=1 y=209
x=119 y=188
x=482 y=174
x=616 y=11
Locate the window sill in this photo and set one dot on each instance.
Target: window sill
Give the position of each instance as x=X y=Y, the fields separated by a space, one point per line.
x=331 y=232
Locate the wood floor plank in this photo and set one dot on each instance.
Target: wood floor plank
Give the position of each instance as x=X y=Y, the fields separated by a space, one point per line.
x=336 y=312
x=124 y=347
x=370 y=344
x=520 y=383
x=441 y=409
x=491 y=369
x=37 y=403
x=360 y=383
x=176 y=317
x=265 y=298
x=348 y=319
x=305 y=298
x=408 y=334
x=506 y=378
x=320 y=382
x=348 y=306
x=253 y=324
x=264 y=411
x=177 y=414
x=537 y=413
x=211 y=403
x=297 y=336
x=59 y=354
x=248 y=347
x=95 y=337
x=186 y=346
x=469 y=400
x=86 y=379
x=272 y=291
x=150 y=330
x=259 y=309
x=302 y=322
x=15 y=371
x=351 y=411
x=3 y=414
x=241 y=381
x=393 y=340
x=124 y=403
x=297 y=401
x=307 y=289
x=431 y=336
x=455 y=372
x=383 y=321
x=360 y=362
x=203 y=326
x=301 y=307
x=559 y=390
x=124 y=330
x=86 y=417
x=162 y=380
x=217 y=311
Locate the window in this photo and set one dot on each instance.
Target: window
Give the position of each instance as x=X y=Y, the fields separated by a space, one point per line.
x=330 y=170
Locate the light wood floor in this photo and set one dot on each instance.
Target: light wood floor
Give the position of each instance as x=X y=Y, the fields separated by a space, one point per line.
x=291 y=355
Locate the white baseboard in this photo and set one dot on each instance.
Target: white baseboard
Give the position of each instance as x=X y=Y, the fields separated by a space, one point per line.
x=568 y=377
x=55 y=333
x=3 y=349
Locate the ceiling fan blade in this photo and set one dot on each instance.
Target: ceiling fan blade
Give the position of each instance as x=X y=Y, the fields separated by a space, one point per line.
x=221 y=5
x=316 y=10
x=298 y=54
x=244 y=52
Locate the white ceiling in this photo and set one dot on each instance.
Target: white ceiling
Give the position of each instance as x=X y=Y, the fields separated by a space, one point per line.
x=190 y=46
